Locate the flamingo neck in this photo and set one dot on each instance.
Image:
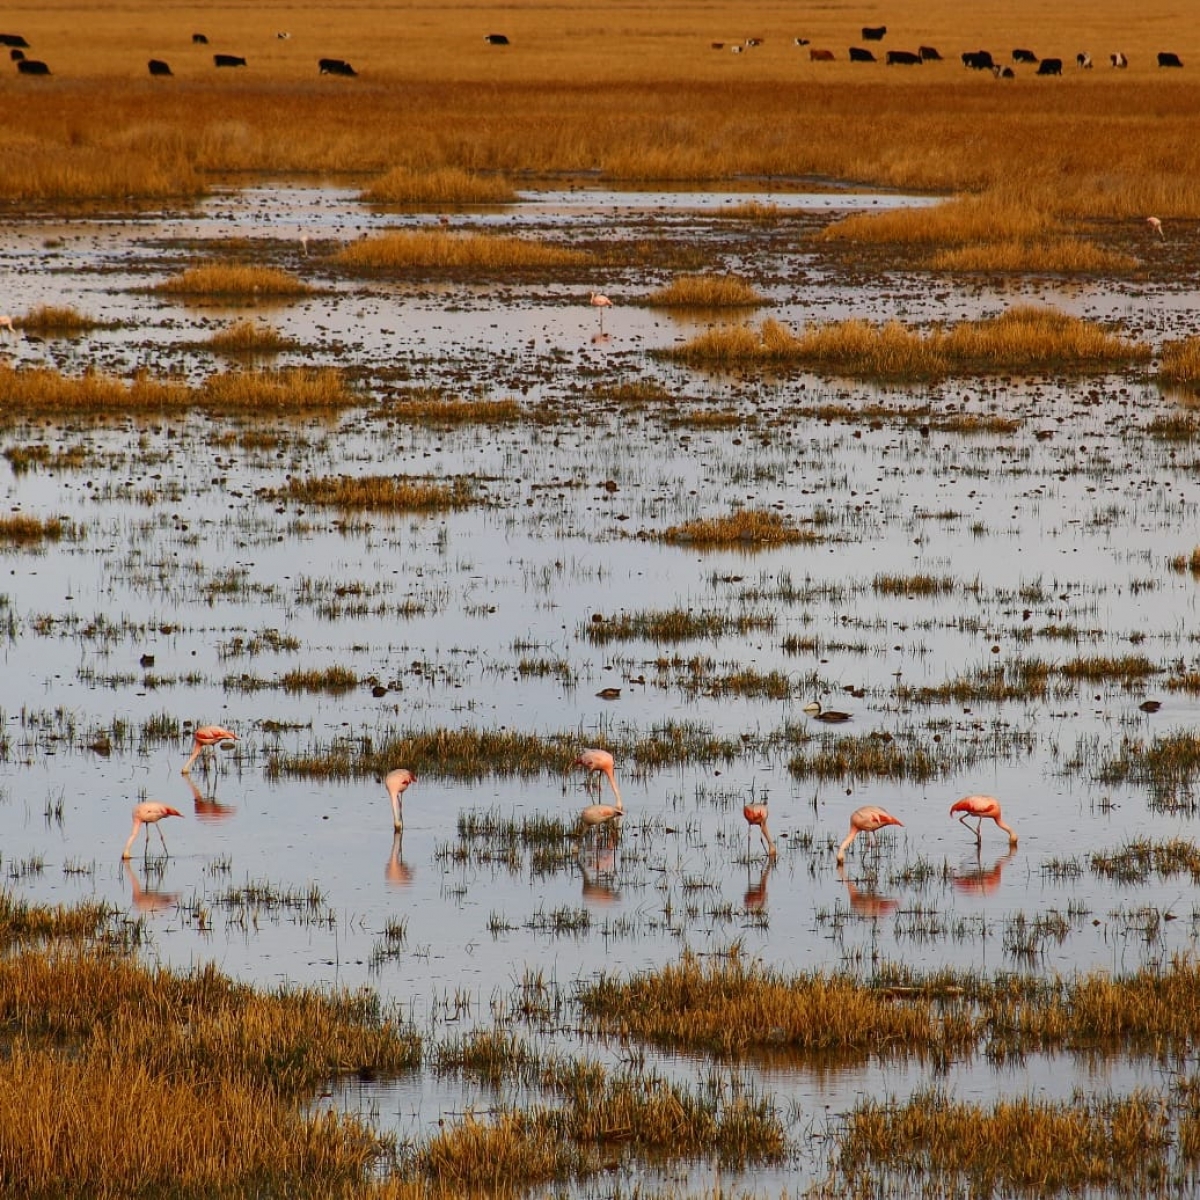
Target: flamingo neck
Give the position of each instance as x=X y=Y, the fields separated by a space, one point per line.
x=612 y=781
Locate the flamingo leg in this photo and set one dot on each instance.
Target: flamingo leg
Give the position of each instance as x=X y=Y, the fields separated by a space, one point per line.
x=160 y=838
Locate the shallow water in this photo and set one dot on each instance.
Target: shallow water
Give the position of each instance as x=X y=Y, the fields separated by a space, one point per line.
x=1056 y=537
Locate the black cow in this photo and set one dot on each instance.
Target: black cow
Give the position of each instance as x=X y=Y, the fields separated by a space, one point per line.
x=929 y=53
x=1118 y=59
x=32 y=66
x=1050 y=66
x=198 y=39
x=495 y=39
x=335 y=66
x=158 y=67
x=16 y=55
x=1024 y=56
x=874 y=33
x=1167 y=59
x=858 y=54
x=903 y=58
x=978 y=60
x=1007 y=73
x=229 y=60
x=13 y=39
x=801 y=41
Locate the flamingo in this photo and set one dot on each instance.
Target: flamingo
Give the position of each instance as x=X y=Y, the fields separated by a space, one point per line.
x=867 y=819
x=205 y=736
x=983 y=808
x=831 y=716
x=756 y=814
x=6 y=323
x=1156 y=225
x=600 y=761
x=596 y=300
x=397 y=783
x=596 y=815
x=148 y=813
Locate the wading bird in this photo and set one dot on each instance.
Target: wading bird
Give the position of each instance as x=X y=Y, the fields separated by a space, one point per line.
x=148 y=813
x=983 y=808
x=601 y=302
x=1156 y=225
x=6 y=323
x=867 y=819
x=599 y=762
x=756 y=814
x=397 y=783
x=831 y=716
x=202 y=739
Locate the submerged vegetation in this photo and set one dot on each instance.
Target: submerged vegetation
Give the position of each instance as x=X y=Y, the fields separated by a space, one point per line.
x=234 y=280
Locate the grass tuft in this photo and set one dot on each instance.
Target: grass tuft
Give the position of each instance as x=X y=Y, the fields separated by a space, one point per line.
x=445 y=185
x=706 y=291
x=747 y=528
x=234 y=280
x=439 y=250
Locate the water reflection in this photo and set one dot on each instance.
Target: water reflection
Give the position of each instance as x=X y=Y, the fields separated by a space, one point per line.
x=599 y=870
x=398 y=873
x=755 y=898
x=208 y=808
x=865 y=902
x=976 y=880
x=149 y=899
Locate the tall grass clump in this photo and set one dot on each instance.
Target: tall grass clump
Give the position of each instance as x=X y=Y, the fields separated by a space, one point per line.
x=441 y=250
x=964 y=221
x=1180 y=363
x=751 y=528
x=380 y=493
x=249 y=337
x=31 y=391
x=268 y=393
x=443 y=185
x=1060 y=255
x=706 y=291
x=234 y=280
x=17 y=529
x=52 y=320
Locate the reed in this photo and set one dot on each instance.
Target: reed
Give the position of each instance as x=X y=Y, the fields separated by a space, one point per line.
x=1141 y=858
x=674 y=625
x=277 y=393
x=1022 y=339
x=336 y=680
x=22 y=530
x=1044 y=256
x=438 y=251
x=234 y=281
x=57 y=321
x=963 y=221
x=249 y=337
x=442 y=186
x=706 y=291
x=42 y=391
x=1179 y=365
x=381 y=493
x=427 y=407
x=750 y=528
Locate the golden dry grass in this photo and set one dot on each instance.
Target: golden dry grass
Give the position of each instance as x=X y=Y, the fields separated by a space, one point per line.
x=1180 y=363
x=444 y=186
x=249 y=337
x=441 y=250
x=747 y=528
x=381 y=493
x=273 y=393
x=1054 y=256
x=706 y=291
x=234 y=280
x=18 y=529
x=56 y=320
x=1022 y=339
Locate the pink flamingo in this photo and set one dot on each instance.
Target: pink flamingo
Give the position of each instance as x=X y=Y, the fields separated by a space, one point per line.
x=756 y=814
x=599 y=762
x=1156 y=225
x=397 y=783
x=148 y=813
x=6 y=323
x=983 y=808
x=204 y=737
x=596 y=300
x=867 y=819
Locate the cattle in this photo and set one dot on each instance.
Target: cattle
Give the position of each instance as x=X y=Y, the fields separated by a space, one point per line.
x=198 y=39
x=495 y=39
x=1050 y=66
x=158 y=67
x=335 y=66
x=1083 y=59
x=229 y=60
x=13 y=39
x=754 y=41
x=283 y=35
x=1007 y=73
x=1167 y=59
x=903 y=58
x=16 y=55
x=858 y=54
x=1118 y=60
x=929 y=53
x=874 y=33
x=718 y=45
x=1024 y=56
x=820 y=56
x=736 y=49
x=32 y=66
x=801 y=41
x=978 y=60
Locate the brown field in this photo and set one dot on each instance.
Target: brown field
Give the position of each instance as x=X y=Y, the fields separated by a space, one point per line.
x=628 y=92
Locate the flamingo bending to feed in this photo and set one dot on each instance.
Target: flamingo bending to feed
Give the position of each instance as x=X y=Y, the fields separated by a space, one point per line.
x=1156 y=225
x=756 y=814
x=599 y=762
x=983 y=808
x=148 y=813
x=204 y=737
x=6 y=323
x=867 y=819
x=397 y=783
x=831 y=716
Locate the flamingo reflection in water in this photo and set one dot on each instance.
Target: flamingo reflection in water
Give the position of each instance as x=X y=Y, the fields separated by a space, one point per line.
x=599 y=870
x=755 y=899
x=979 y=882
x=865 y=903
x=148 y=899
x=208 y=808
x=397 y=872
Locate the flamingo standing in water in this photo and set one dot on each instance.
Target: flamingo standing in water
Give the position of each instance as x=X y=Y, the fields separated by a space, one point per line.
x=202 y=739
x=596 y=300
x=397 y=783
x=599 y=762
x=6 y=323
x=983 y=808
x=756 y=814
x=148 y=813
x=867 y=819
x=1156 y=225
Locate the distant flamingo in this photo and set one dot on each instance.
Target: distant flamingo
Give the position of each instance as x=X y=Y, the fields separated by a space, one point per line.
x=6 y=323
x=599 y=762
x=984 y=808
x=397 y=783
x=756 y=814
x=204 y=737
x=148 y=813
x=831 y=716
x=867 y=819
x=601 y=302
x=1156 y=225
